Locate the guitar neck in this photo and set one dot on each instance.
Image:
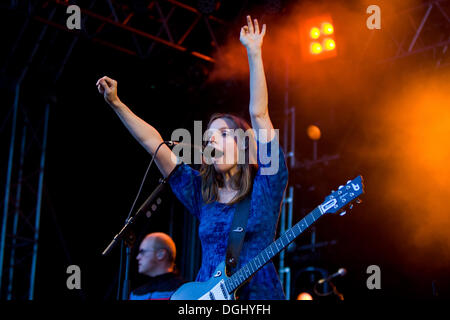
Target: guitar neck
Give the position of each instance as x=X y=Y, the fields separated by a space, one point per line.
x=244 y=273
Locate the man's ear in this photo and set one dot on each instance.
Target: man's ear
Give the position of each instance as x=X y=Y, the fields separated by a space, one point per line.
x=160 y=254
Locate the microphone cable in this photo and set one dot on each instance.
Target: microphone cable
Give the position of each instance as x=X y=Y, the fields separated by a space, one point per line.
x=143 y=179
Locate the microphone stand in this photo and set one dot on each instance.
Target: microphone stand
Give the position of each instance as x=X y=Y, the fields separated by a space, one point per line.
x=127 y=237
x=336 y=292
x=327 y=293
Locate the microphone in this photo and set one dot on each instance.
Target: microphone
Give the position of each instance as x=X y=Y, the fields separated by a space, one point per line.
x=340 y=272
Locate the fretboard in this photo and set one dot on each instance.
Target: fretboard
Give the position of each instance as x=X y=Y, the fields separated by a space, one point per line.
x=240 y=276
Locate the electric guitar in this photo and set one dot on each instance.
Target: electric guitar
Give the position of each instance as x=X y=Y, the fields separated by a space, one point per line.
x=222 y=287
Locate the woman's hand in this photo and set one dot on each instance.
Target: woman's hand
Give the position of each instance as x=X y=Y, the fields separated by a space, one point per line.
x=108 y=88
x=251 y=37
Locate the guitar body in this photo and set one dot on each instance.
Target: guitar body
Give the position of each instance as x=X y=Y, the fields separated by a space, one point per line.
x=213 y=289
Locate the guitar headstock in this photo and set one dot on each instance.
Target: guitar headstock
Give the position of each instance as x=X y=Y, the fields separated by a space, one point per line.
x=344 y=196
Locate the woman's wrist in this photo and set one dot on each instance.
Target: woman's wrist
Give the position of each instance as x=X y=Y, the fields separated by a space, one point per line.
x=254 y=52
x=116 y=103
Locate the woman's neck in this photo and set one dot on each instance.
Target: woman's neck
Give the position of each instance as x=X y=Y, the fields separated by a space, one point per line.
x=228 y=178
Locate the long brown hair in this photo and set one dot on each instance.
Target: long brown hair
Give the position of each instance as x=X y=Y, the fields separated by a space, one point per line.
x=243 y=179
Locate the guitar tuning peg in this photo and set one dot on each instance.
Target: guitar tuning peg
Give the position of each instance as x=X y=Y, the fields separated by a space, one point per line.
x=343 y=213
x=350 y=206
x=349 y=181
x=340 y=187
x=358 y=201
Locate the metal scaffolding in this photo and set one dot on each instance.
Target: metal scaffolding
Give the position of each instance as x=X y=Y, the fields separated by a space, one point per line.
x=419 y=31
x=19 y=241
x=168 y=23
x=135 y=30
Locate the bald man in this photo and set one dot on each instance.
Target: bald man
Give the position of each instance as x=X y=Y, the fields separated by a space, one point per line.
x=156 y=259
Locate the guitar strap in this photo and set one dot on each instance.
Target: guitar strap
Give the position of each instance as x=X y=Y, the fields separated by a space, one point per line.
x=237 y=234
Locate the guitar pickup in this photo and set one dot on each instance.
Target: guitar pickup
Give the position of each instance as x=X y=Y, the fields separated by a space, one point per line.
x=224 y=290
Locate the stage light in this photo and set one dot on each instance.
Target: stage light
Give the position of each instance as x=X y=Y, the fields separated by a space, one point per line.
x=313 y=132
x=316 y=48
x=304 y=296
x=327 y=28
x=317 y=38
x=329 y=44
x=314 y=33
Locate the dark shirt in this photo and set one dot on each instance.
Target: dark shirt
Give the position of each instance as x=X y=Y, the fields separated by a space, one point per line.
x=158 y=288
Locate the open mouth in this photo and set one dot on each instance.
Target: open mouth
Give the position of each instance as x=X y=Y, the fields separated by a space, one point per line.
x=212 y=153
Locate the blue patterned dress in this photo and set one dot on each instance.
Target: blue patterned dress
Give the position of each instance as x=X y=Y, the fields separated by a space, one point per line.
x=216 y=218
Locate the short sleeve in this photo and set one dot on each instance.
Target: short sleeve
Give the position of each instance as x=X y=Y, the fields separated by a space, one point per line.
x=272 y=175
x=186 y=185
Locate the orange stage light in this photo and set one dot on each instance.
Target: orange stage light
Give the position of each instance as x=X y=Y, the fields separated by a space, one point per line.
x=314 y=33
x=329 y=44
x=316 y=48
x=313 y=132
x=317 y=40
x=327 y=28
x=304 y=296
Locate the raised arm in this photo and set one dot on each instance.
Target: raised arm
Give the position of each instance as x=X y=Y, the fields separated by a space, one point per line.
x=252 y=38
x=144 y=133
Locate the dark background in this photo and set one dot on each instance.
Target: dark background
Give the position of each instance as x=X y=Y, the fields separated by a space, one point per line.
x=94 y=166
